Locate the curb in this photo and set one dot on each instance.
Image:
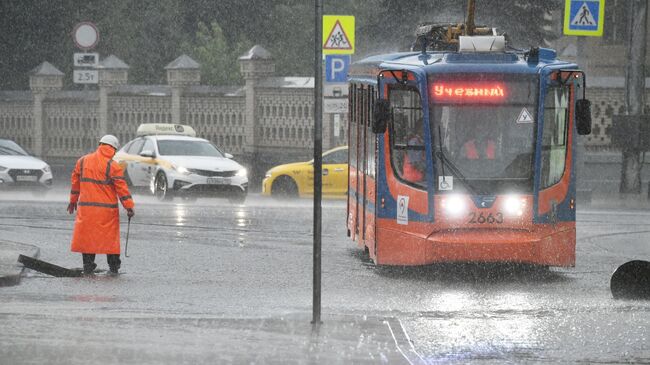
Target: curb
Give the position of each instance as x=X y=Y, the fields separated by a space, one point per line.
x=12 y=276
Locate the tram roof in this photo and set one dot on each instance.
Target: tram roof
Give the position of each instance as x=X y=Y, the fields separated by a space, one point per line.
x=435 y=62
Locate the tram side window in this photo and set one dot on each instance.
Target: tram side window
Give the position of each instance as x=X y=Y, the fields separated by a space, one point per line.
x=554 y=135
x=370 y=136
x=407 y=135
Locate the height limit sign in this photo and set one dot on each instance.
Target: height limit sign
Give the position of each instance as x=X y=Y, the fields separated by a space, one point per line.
x=338 y=34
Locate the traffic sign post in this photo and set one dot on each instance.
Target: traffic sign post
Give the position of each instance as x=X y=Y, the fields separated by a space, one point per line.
x=85 y=76
x=336 y=68
x=338 y=34
x=86 y=59
x=584 y=17
x=85 y=36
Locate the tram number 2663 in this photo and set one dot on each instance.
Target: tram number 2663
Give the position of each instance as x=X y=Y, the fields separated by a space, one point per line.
x=481 y=218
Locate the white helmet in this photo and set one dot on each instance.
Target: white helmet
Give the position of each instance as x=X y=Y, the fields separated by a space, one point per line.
x=110 y=140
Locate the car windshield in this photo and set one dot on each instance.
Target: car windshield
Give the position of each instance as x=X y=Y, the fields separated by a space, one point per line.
x=11 y=148
x=188 y=148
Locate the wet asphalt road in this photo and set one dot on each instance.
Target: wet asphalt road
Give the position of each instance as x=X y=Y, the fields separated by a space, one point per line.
x=204 y=278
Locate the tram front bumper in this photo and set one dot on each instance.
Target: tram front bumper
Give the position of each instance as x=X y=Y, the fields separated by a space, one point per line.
x=547 y=246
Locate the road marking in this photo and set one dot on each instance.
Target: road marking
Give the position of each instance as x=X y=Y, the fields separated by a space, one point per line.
x=404 y=337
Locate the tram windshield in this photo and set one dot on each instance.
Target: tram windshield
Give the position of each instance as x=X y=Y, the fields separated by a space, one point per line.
x=484 y=134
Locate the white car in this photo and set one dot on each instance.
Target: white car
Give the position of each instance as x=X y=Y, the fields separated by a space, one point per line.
x=170 y=161
x=20 y=170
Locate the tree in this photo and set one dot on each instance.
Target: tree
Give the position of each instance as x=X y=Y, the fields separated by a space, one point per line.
x=527 y=22
x=218 y=58
x=148 y=34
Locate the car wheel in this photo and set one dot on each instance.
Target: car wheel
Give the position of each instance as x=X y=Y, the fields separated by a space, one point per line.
x=161 y=191
x=284 y=187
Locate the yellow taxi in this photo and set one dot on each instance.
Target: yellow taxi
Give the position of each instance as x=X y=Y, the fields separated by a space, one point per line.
x=297 y=179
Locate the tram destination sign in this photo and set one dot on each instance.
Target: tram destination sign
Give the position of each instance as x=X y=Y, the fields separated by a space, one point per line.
x=453 y=91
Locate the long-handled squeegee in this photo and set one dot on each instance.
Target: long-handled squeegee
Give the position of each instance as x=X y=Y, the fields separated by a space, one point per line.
x=47 y=268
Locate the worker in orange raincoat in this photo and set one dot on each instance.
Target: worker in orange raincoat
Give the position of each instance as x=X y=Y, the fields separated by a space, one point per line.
x=97 y=184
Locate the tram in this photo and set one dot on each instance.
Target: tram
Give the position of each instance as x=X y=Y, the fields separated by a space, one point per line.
x=464 y=151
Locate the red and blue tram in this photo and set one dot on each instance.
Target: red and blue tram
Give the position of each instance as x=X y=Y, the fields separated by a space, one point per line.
x=465 y=155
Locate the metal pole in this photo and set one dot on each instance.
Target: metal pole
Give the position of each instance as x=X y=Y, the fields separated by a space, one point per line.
x=634 y=91
x=126 y=247
x=469 y=24
x=318 y=153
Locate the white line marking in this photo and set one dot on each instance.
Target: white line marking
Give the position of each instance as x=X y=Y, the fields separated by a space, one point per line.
x=399 y=348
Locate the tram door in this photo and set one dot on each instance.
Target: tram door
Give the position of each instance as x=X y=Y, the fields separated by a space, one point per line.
x=363 y=120
x=556 y=159
x=362 y=164
x=407 y=165
x=354 y=159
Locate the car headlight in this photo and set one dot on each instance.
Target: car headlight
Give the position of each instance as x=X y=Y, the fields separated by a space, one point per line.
x=2 y=168
x=453 y=205
x=267 y=174
x=181 y=169
x=242 y=173
x=47 y=168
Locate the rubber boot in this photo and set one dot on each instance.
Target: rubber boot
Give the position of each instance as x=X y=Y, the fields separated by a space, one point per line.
x=89 y=269
x=114 y=264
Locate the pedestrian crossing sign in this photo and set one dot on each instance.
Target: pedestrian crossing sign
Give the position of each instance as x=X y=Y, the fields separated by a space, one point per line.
x=584 y=17
x=338 y=34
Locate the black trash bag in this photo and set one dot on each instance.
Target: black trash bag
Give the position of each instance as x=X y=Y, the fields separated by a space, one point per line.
x=631 y=280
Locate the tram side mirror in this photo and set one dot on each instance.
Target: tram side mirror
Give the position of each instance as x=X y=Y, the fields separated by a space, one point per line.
x=381 y=115
x=583 y=117
x=148 y=153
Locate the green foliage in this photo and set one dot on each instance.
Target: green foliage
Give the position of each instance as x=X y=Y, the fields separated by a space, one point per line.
x=148 y=34
x=217 y=56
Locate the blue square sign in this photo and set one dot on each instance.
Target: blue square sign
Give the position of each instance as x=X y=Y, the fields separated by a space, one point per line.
x=584 y=17
x=336 y=68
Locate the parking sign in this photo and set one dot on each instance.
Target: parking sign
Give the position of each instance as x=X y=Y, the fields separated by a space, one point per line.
x=336 y=68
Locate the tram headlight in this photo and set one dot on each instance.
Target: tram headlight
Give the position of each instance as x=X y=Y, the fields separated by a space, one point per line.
x=514 y=205
x=454 y=205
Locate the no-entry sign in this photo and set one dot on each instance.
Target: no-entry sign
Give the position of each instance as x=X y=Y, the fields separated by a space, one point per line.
x=85 y=35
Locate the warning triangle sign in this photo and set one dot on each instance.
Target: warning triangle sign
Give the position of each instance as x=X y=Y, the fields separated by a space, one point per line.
x=525 y=117
x=337 y=39
x=583 y=16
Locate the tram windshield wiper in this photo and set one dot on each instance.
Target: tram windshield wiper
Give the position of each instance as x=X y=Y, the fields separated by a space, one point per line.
x=456 y=172
x=454 y=169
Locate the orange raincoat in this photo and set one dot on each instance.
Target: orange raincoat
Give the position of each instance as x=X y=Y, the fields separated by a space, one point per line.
x=97 y=183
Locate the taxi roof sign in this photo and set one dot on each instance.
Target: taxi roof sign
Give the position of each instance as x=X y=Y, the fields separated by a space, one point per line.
x=148 y=129
x=338 y=34
x=584 y=17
